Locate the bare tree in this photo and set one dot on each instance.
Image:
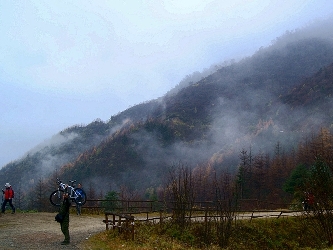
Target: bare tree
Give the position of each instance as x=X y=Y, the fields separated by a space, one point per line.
x=127 y=197
x=244 y=173
x=203 y=177
x=260 y=167
x=92 y=194
x=181 y=193
x=226 y=206
x=319 y=188
x=42 y=203
x=20 y=197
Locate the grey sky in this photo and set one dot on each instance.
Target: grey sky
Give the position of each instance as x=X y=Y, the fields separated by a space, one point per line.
x=70 y=62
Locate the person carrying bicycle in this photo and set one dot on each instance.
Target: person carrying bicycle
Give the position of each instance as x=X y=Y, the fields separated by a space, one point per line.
x=64 y=211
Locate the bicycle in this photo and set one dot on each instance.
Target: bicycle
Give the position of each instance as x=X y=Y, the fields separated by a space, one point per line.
x=75 y=194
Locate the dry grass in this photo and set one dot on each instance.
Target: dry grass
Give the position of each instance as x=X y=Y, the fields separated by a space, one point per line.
x=283 y=233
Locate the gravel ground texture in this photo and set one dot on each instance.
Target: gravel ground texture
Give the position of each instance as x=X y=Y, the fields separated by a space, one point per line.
x=41 y=231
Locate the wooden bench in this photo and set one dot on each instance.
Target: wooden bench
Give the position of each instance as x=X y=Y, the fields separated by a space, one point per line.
x=124 y=223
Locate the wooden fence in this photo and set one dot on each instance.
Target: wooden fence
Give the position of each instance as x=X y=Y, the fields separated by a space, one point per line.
x=122 y=206
x=124 y=215
x=143 y=210
x=144 y=206
x=123 y=222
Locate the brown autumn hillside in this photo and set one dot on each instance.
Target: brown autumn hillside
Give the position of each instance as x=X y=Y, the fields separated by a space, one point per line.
x=281 y=95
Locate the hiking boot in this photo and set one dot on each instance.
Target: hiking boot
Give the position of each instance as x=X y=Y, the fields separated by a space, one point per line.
x=65 y=242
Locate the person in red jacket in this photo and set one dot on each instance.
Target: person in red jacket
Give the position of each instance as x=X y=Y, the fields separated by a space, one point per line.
x=9 y=195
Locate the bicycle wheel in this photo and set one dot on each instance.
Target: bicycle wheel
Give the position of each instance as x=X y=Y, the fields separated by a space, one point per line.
x=82 y=197
x=56 y=197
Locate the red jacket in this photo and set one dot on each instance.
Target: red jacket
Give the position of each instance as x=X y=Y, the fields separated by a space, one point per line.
x=9 y=193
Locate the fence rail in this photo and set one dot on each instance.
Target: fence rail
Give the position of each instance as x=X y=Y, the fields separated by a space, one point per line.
x=158 y=211
x=126 y=212
x=243 y=205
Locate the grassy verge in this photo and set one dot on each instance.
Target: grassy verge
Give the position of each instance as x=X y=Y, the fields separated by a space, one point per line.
x=283 y=233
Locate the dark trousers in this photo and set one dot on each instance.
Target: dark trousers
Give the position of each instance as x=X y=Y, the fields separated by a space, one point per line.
x=78 y=209
x=5 y=203
x=65 y=229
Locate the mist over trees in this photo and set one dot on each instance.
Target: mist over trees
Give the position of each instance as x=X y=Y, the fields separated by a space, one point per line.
x=246 y=118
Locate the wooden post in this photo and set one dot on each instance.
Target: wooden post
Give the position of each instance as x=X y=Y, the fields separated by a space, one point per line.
x=125 y=227
x=119 y=223
x=161 y=217
x=279 y=215
x=132 y=228
x=206 y=221
x=106 y=221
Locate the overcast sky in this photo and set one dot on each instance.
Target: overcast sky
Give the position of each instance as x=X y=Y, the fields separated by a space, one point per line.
x=70 y=62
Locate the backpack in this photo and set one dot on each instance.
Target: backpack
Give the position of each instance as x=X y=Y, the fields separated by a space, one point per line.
x=59 y=218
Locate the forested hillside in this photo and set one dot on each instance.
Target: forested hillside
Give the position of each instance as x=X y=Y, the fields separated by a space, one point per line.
x=279 y=96
x=209 y=121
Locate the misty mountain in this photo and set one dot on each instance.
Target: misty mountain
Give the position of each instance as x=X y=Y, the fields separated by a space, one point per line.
x=282 y=93
x=55 y=152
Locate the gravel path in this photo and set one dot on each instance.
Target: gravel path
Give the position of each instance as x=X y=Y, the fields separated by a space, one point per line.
x=40 y=231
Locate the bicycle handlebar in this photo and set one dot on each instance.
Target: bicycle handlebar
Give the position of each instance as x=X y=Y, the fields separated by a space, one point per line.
x=60 y=183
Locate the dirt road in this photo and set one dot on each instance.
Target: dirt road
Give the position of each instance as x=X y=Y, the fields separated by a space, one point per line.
x=40 y=231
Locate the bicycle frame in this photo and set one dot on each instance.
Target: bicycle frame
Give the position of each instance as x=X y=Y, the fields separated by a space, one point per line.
x=72 y=194
x=75 y=194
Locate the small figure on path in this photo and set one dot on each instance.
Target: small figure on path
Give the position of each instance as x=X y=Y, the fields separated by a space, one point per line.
x=79 y=205
x=306 y=202
x=310 y=201
x=9 y=196
x=64 y=211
